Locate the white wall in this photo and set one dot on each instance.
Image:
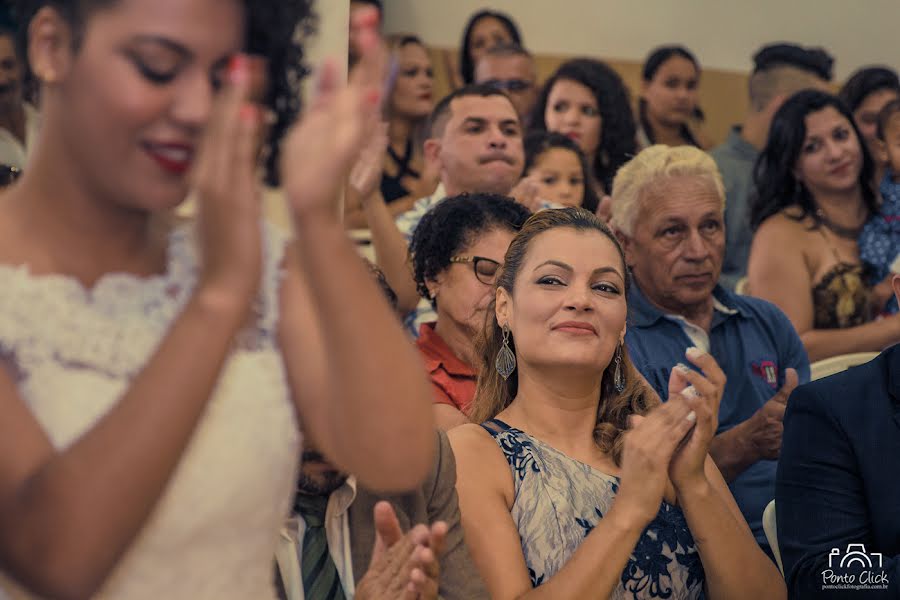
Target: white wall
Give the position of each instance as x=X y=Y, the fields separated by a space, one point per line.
x=722 y=33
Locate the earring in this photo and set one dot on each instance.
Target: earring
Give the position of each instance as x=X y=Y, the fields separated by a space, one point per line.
x=618 y=374
x=506 y=360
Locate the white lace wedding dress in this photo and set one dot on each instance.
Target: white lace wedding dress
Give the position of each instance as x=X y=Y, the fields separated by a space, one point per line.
x=213 y=532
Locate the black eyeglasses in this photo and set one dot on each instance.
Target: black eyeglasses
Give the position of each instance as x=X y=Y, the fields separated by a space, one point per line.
x=485 y=269
x=509 y=85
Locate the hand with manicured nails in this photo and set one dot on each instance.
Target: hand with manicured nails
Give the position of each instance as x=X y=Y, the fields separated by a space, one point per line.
x=703 y=394
x=765 y=427
x=404 y=567
x=649 y=445
x=228 y=194
x=321 y=148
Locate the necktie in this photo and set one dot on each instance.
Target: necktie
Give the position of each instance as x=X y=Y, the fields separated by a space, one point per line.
x=320 y=576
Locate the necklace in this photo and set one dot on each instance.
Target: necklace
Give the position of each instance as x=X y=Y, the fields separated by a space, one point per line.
x=849 y=233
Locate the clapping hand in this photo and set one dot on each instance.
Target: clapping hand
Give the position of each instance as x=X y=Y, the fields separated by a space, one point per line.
x=702 y=392
x=404 y=567
x=321 y=148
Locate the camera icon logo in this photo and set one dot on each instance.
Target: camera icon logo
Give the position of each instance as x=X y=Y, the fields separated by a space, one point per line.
x=855 y=554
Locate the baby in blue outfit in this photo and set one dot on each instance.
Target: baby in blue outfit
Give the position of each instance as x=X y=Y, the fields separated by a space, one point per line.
x=879 y=242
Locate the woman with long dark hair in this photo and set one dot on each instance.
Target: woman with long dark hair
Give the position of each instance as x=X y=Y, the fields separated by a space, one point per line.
x=814 y=194
x=668 y=106
x=586 y=100
x=156 y=375
x=485 y=29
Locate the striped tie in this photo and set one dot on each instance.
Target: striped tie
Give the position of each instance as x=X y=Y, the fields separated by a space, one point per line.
x=320 y=576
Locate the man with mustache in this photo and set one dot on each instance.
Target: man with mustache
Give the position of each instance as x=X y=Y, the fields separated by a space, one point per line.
x=474 y=141
x=18 y=119
x=333 y=548
x=668 y=210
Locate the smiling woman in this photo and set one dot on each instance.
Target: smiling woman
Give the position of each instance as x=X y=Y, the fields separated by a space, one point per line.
x=564 y=483
x=157 y=459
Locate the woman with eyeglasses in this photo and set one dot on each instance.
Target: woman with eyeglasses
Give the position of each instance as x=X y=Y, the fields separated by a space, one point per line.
x=456 y=252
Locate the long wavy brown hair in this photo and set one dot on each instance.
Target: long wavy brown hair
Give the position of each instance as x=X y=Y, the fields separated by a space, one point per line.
x=493 y=394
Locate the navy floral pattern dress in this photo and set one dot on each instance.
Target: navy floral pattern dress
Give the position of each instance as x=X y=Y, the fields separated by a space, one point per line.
x=559 y=500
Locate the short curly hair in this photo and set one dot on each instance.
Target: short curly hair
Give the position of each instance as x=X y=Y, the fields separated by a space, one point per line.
x=275 y=29
x=618 y=136
x=453 y=225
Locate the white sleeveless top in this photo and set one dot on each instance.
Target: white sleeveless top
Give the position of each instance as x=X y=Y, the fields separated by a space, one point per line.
x=74 y=351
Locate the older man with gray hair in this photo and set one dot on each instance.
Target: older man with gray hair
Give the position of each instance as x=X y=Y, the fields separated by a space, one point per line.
x=668 y=210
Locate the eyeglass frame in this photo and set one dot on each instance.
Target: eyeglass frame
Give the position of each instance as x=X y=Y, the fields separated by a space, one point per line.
x=510 y=85
x=475 y=260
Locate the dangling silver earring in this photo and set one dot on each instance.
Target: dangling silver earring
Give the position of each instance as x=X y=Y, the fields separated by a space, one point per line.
x=618 y=374
x=506 y=360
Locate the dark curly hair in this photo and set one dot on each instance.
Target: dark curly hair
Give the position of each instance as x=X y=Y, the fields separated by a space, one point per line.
x=275 y=29
x=466 y=64
x=538 y=142
x=655 y=60
x=618 y=141
x=776 y=186
x=865 y=82
x=453 y=225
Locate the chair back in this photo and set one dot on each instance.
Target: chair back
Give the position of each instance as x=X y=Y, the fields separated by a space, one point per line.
x=836 y=364
x=771 y=530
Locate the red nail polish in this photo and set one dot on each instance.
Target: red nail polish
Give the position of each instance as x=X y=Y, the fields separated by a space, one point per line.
x=373 y=97
x=237 y=68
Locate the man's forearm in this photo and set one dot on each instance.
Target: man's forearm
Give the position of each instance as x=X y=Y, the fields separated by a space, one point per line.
x=733 y=452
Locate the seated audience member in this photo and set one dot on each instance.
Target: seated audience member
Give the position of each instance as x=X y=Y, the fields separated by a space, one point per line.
x=510 y=68
x=19 y=120
x=587 y=101
x=558 y=500
x=474 y=141
x=343 y=540
x=485 y=30
x=836 y=488
x=404 y=178
x=866 y=92
x=668 y=112
x=558 y=168
x=668 y=211
x=456 y=251
x=814 y=196
x=879 y=242
x=779 y=71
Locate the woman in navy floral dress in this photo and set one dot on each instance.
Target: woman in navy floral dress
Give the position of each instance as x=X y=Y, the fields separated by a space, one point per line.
x=578 y=483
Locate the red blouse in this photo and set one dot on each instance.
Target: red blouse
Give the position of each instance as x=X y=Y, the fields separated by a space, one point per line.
x=452 y=379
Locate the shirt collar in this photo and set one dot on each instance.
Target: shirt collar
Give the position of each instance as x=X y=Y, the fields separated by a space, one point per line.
x=437 y=353
x=642 y=313
x=339 y=503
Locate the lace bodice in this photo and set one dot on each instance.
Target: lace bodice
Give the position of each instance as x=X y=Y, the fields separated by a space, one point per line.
x=559 y=501
x=73 y=351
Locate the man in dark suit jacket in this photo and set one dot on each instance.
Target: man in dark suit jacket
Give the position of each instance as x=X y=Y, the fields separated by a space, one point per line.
x=350 y=509
x=837 y=488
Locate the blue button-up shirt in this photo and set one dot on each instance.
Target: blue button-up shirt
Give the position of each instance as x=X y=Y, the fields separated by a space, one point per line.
x=753 y=342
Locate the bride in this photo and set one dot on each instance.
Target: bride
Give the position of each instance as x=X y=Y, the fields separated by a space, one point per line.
x=156 y=377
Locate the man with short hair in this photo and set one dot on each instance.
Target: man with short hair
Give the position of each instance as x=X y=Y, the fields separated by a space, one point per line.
x=667 y=210
x=474 y=141
x=780 y=70
x=343 y=542
x=510 y=68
